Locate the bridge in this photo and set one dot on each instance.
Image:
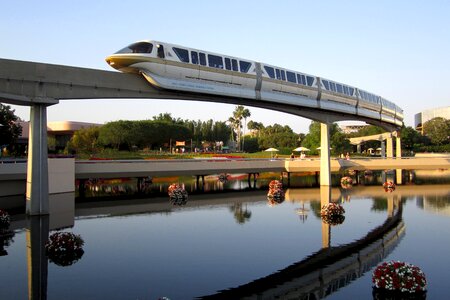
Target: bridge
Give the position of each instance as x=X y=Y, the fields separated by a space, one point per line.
x=39 y=85
x=387 y=136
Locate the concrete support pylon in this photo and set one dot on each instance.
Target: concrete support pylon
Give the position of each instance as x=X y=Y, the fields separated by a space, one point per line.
x=390 y=147
x=37 y=167
x=383 y=149
x=398 y=147
x=325 y=167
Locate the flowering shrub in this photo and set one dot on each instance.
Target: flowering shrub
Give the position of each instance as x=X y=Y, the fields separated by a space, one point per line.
x=276 y=193
x=177 y=194
x=399 y=276
x=389 y=186
x=4 y=218
x=275 y=185
x=346 y=182
x=64 y=248
x=332 y=213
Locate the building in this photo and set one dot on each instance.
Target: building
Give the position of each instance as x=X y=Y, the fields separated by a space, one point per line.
x=426 y=115
x=62 y=131
x=350 y=128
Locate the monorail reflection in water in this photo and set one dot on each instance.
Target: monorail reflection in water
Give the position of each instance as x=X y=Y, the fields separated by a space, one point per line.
x=141 y=228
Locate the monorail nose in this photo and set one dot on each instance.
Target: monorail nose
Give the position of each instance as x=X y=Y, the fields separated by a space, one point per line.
x=121 y=63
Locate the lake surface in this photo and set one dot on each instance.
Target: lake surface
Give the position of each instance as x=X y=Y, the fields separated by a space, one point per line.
x=229 y=242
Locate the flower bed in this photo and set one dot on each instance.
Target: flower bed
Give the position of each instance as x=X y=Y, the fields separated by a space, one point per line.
x=346 y=182
x=4 y=218
x=332 y=213
x=64 y=248
x=399 y=277
x=177 y=194
x=389 y=186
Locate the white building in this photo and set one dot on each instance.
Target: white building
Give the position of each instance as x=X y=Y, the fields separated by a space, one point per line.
x=426 y=115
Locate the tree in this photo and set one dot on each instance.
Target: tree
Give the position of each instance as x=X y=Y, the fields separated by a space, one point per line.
x=338 y=140
x=251 y=145
x=255 y=127
x=239 y=113
x=410 y=137
x=367 y=131
x=167 y=117
x=117 y=134
x=277 y=136
x=9 y=129
x=84 y=140
x=438 y=130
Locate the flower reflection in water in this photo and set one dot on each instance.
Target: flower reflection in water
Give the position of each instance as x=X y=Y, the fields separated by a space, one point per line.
x=64 y=248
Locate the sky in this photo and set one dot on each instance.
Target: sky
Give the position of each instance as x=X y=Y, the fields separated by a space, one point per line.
x=396 y=49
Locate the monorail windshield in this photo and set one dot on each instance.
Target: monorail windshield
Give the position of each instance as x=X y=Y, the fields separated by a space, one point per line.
x=140 y=47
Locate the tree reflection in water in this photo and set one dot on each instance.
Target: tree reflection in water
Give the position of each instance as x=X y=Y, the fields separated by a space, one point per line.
x=241 y=214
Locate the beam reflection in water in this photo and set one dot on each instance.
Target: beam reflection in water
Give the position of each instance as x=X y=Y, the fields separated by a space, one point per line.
x=327 y=270
x=37 y=233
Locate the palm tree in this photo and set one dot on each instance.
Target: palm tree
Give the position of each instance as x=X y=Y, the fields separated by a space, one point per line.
x=233 y=124
x=245 y=114
x=239 y=113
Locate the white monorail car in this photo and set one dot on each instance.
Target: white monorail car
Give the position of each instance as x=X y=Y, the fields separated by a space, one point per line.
x=180 y=68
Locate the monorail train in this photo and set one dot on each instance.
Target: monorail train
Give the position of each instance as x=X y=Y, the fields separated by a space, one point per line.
x=180 y=68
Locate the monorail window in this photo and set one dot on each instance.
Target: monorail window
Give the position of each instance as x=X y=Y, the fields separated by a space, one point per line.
x=283 y=75
x=182 y=54
x=277 y=72
x=346 y=90
x=194 y=57
x=244 y=65
x=160 y=51
x=202 y=58
x=215 y=61
x=291 y=77
x=227 y=63
x=270 y=71
x=339 y=88
x=234 y=65
x=333 y=86
x=351 y=91
x=325 y=83
x=301 y=79
x=364 y=95
x=310 y=80
x=141 y=47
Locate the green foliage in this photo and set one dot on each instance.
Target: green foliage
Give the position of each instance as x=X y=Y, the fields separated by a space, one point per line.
x=251 y=144
x=432 y=148
x=51 y=143
x=151 y=134
x=277 y=136
x=410 y=137
x=9 y=130
x=438 y=130
x=338 y=140
x=84 y=140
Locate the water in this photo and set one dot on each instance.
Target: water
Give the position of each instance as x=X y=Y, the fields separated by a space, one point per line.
x=222 y=243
